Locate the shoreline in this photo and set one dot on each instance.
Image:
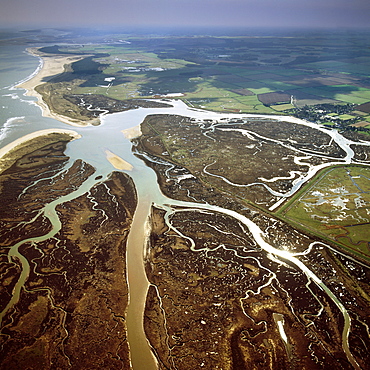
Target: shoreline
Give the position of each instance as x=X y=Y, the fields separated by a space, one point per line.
x=50 y=66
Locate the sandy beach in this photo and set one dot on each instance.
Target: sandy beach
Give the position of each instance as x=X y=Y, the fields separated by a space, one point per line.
x=51 y=66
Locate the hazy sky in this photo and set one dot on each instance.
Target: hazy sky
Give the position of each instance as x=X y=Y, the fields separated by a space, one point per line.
x=245 y=13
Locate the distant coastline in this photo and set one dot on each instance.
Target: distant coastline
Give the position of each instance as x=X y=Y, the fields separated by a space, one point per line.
x=50 y=66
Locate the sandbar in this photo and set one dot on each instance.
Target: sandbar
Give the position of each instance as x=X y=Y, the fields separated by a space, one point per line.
x=51 y=66
x=132 y=133
x=117 y=162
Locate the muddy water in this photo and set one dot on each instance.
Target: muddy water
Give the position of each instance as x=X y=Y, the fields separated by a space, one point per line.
x=141 y=355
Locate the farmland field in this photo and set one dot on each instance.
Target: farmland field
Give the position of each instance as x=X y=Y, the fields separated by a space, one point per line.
x=230 y=73
x=336 y=206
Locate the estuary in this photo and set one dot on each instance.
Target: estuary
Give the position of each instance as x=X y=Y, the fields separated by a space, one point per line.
x=92 y=147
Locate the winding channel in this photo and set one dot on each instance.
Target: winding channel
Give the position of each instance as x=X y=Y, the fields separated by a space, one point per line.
x=91 y=148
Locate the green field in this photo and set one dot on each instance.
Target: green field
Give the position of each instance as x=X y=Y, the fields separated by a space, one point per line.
x=210 y=72
x=282 y=107
x=336 y=206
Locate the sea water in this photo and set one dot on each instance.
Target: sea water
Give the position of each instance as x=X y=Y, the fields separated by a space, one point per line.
x=19 y=114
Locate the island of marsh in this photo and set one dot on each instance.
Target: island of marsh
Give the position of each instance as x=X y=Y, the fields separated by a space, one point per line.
x=203 y=267
x=255 y=159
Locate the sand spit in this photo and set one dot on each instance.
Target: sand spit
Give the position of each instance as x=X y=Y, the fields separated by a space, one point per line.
x=11 y=152
x=117 y=162
x=51 y=66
